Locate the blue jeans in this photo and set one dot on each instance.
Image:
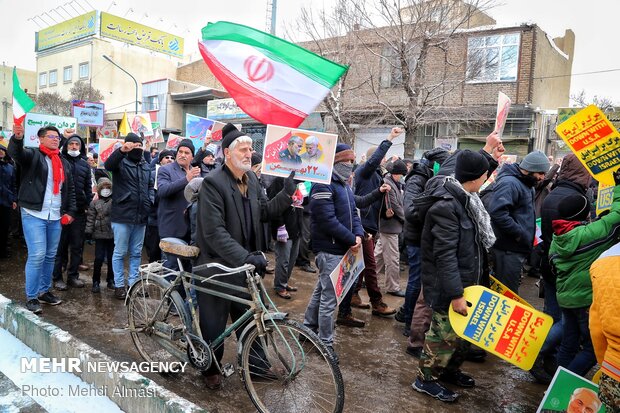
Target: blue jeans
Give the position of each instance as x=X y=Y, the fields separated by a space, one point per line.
x=320 y=311
x=42 y=237
x=414 y=282
x=554 y=338
x=128 y=238
x=576 y=334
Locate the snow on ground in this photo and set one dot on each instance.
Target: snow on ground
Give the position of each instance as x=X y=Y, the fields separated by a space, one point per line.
x=57 y=392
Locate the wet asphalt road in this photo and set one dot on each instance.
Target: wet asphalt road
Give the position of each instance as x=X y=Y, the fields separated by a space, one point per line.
x=376 y=370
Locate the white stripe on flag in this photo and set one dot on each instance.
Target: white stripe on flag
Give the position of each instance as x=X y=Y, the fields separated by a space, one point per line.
x=287 y=84
x=18 y=111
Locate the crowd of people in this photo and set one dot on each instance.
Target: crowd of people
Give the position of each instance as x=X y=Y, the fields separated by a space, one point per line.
x=429 y=213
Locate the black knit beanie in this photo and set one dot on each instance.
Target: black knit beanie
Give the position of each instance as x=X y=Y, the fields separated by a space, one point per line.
x=470 y=166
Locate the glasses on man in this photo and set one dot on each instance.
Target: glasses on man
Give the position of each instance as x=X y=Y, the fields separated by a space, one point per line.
x=52 y=137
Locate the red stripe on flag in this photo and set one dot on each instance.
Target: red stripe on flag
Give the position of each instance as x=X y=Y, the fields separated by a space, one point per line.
x=254 y=102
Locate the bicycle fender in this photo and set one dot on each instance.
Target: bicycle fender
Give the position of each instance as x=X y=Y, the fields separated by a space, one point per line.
x=270 y=316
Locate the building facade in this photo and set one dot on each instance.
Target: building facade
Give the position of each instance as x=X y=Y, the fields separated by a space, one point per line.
x=28 y=82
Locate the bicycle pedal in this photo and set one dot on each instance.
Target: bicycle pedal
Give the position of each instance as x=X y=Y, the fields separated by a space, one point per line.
x=228 y=370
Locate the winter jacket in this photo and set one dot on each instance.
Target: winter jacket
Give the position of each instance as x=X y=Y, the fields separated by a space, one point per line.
x=171 y=183
x=414 y=185
x=393 y=225
x=335 y=222
x=451 y=254
x=367 y=179
x=572 y=253
x=605 y=311
x=33 y=179
x=510 y=203
x=8 y=189
x=79 y=168
x=98 y=219
x=291 y=218
x=204 y=168
x=132 y=198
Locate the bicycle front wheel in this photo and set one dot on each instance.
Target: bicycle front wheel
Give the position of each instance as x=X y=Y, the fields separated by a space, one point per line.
x=157 y=331
x=289 y=369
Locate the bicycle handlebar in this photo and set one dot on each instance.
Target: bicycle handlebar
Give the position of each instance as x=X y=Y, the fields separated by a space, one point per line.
x=245 y=267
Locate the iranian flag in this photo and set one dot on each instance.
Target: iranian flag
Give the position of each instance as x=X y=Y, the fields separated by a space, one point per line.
x=22 y=104
x=272 y=80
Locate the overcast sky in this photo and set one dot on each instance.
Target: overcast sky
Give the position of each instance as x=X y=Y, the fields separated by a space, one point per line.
x=593 y=23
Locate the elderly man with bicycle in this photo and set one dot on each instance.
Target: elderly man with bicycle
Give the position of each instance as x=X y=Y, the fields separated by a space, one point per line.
x=231 y=211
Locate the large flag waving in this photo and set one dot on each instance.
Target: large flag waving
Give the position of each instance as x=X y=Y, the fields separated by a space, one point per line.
x=22 y=103
x=272 y=80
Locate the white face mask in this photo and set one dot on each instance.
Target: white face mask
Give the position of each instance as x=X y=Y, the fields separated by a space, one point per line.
x=74 y=153
x=106 y=192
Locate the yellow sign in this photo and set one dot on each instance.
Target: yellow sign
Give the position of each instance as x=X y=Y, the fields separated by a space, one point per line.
x=605 y=198
x=595 y=141
x=498 y=287
x=137 y=34
x=501 y=326
x=72 y=29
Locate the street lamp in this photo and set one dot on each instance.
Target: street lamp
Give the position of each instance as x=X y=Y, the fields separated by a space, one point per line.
x=106 y=57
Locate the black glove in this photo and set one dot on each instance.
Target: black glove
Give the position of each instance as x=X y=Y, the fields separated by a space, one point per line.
x=617 y=176
x=258 y=260
x=289 y=185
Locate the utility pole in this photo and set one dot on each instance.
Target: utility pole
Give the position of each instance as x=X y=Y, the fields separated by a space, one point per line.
x=270 y=20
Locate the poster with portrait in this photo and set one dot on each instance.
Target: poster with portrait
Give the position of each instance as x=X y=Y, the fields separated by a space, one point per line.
x=310 y=154
x=197 y=127
x=141 y=125
x=173 y=141
x=4 y=138
x=345 y=274
x=35 y=121
x=158 y=136
x=106 y=147
x=569 y=392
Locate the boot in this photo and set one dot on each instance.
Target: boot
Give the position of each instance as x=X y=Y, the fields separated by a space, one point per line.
x=350 y=321
x=539 y=373
x=96 y=289
x=356 y=301
x=120 y=293
x=382 y=309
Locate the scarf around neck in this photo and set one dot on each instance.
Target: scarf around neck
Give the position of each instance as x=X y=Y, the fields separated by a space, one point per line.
x=478 y=214
x=57 y=169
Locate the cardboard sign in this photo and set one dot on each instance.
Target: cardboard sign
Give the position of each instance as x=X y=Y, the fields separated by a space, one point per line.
x=503 y=107
x=109 y=130
x=595 y=141
x=106 y=147
x=35 y=121
x=605 y=197
x=500 y=288
x=309 y=154
x=569 y=392
x=345 y=274
x=502 y=326
x=88 y=113
x=173 y=141
x=141 y=125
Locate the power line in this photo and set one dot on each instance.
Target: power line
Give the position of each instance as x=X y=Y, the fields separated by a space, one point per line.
x=579 y=74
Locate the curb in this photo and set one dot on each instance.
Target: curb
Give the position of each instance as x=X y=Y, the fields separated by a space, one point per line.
x=141 y=394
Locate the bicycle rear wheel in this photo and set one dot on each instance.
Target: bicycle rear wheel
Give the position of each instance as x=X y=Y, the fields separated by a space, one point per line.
x=289 y=369
x=147 y=323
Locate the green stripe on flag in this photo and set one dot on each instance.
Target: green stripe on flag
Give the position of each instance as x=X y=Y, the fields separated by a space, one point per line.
x=316 y=67
x=20 y=96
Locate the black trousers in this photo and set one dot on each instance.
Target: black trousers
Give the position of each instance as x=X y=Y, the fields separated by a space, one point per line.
x=104 y=249
x=71 y=241
x=303 y=257
x=5 y=221
x=151 y=243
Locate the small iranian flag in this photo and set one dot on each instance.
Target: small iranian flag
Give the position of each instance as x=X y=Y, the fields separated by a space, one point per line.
x=272 y=80
x=22 y=104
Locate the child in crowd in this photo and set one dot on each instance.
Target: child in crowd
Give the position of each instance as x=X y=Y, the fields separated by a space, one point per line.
x=99 y=228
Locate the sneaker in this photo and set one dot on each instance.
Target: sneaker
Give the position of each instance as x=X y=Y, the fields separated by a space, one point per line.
x=350 y=321
x=400 y=315
x=34 y=306
x=356 y=301
x=96 y=289
x=120 y=293
x=458 y=378
x=381 y=309
x=414 y=351
x=308 y=268
x=434 y=389
x=49 y=298
x=60 y=285
x=75 y=283
x=397 y=293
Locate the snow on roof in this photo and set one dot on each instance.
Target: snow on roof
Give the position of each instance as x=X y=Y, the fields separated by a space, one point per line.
x=555 y=46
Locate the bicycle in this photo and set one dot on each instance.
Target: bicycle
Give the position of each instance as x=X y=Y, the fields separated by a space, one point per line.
x=283 y=365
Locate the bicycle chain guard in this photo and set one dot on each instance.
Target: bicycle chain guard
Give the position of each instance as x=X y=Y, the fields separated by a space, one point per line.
x=199 y=353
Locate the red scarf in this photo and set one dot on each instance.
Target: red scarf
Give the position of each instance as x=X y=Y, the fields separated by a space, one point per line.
x=59 y=173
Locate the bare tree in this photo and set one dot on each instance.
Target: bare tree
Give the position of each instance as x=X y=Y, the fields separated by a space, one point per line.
x=53 y=104
x=325 y=32
x=603 y=103
x=82 y=90
x=411 y=40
